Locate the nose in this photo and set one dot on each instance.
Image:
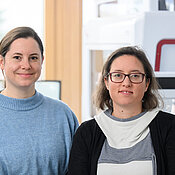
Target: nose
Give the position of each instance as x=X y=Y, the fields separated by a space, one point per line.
x=25 y=64
x=126 y=82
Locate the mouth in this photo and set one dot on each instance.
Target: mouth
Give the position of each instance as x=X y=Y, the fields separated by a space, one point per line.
x=126 y=92
x=25 y=75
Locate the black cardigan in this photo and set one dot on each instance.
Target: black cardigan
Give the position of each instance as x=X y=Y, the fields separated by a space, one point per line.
x=89 y=139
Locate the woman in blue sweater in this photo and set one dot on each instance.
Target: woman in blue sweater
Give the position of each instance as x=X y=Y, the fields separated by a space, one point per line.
x=131 y=135
x=35 y=131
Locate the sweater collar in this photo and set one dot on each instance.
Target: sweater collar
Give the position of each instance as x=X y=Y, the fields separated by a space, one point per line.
x=108 y=112
x=125 y=134
x=21 y=104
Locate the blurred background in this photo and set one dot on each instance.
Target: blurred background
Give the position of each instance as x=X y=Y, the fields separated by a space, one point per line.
x=78 y=36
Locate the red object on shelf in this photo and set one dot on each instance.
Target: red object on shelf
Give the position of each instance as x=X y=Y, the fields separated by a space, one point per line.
x=158 y=51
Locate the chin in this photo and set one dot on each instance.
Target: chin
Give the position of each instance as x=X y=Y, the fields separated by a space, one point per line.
x=26 y=85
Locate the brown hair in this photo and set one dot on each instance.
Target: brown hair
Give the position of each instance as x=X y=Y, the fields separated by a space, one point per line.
x=19 y=32
x=151 y=97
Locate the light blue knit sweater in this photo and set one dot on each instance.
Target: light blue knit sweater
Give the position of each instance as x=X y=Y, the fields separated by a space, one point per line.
x=35 y=135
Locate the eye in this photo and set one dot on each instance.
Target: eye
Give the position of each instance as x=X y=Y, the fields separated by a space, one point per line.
x=135 y=75
x=34 y=58
x=17 y=57
x=117 y=75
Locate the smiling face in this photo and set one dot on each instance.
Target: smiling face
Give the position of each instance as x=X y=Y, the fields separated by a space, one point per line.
x=126 y=93
x=22 y=63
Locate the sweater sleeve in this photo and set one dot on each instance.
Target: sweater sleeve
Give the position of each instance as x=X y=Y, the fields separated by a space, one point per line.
x=170 y=148
x=79 y=156
x=163 y=138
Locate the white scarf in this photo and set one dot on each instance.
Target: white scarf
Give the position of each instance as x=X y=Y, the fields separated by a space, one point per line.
x=125 y=134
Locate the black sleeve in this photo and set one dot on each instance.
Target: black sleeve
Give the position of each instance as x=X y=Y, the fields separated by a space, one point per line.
x=79 y=156
x=163 y=139
x=170 y=148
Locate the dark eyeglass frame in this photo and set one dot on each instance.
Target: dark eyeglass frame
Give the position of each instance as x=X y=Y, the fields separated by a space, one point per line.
x=126 y=75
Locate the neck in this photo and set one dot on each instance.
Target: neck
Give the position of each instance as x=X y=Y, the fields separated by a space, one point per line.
x=19 y=93
x=126 y=112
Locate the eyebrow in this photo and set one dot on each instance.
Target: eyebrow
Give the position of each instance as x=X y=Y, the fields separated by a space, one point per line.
x=16 y=53
x=123 y=71
x=34 y=54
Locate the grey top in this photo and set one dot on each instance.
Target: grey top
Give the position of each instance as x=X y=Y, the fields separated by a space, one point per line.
x=139 y=158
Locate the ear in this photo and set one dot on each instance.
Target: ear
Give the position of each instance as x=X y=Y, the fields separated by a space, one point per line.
x=42 y=60
x=106 y=83
x=1 y=62
x=147 y=84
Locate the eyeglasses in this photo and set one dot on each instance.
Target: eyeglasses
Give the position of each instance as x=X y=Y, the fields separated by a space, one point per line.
x=118 y=77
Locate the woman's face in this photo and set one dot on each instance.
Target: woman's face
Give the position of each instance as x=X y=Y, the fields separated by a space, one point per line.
x=126 y=93
x=22 y=63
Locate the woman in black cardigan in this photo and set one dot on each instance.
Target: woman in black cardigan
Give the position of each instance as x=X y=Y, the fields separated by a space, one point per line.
x=131 y=135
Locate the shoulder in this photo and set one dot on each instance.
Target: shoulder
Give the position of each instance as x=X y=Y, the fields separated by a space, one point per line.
x=89 y=129
x=53 y=101
x=89 y=125
x=57 y=104
x=89 y=136
x=164 y=120
x=60 y=109
x=54 y=105
x=165 y=117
